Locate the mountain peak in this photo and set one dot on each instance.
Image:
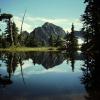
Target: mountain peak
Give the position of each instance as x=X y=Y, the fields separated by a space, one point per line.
x=47 y=24
x=43 y=33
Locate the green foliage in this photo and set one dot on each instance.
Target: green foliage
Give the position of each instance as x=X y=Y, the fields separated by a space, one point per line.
x=10 y=37
x=58 y=41
x=91 y=19
x=15 y=33
x=8 y=33
x=23 y=40
x=33 y=42
x=72 y=42
x=5 y=16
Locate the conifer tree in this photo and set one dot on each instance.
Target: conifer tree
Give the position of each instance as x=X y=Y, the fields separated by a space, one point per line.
x=91 y=19
x=72 y=40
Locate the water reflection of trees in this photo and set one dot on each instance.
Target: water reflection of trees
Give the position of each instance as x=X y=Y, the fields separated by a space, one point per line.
x=11 y=66
x=90 y=78
x=70 y=57
x=47 y=60
x=4 y=81
x=12 y=60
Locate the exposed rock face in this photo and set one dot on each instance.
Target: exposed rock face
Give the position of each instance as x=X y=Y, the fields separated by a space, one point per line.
x=42 y=34
x=48 y=60
x=79 y=34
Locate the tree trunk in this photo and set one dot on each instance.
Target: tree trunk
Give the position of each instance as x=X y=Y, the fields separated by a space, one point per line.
x=10 y=30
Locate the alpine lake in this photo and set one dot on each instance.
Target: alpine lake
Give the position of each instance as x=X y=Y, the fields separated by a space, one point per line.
x=42 y=76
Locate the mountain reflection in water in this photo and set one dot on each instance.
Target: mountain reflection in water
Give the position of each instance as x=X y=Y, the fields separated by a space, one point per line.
x=41 y=76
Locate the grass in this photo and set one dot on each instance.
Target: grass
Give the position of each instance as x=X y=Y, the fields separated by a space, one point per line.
x=26 y=49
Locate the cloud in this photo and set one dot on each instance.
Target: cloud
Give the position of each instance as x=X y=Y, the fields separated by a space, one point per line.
x=46 y=19
x=26 y=26
x=32 y=22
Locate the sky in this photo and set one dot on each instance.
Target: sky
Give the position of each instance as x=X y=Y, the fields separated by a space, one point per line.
x=59 y=12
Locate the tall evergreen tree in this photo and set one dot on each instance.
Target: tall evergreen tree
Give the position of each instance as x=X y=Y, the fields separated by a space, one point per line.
x=91 y=19
x=15 y=33
x=8 y=34
x=12 y=35
x=72 y=41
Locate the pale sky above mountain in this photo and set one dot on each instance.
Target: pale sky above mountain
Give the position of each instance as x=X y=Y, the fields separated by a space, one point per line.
x=60 y=12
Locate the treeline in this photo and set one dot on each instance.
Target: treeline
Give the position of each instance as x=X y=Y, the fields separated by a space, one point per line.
x=12 y=37
x=30 y=40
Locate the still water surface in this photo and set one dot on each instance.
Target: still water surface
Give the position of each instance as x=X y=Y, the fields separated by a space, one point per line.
x=41 y=76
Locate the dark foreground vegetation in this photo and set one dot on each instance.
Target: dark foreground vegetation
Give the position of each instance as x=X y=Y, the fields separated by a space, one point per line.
x=91 y=48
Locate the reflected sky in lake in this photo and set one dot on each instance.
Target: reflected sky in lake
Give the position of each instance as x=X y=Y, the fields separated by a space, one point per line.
x=29 y=68
x=41 y=76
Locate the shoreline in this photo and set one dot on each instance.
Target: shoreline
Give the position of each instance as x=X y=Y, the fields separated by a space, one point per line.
x=26 y=49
